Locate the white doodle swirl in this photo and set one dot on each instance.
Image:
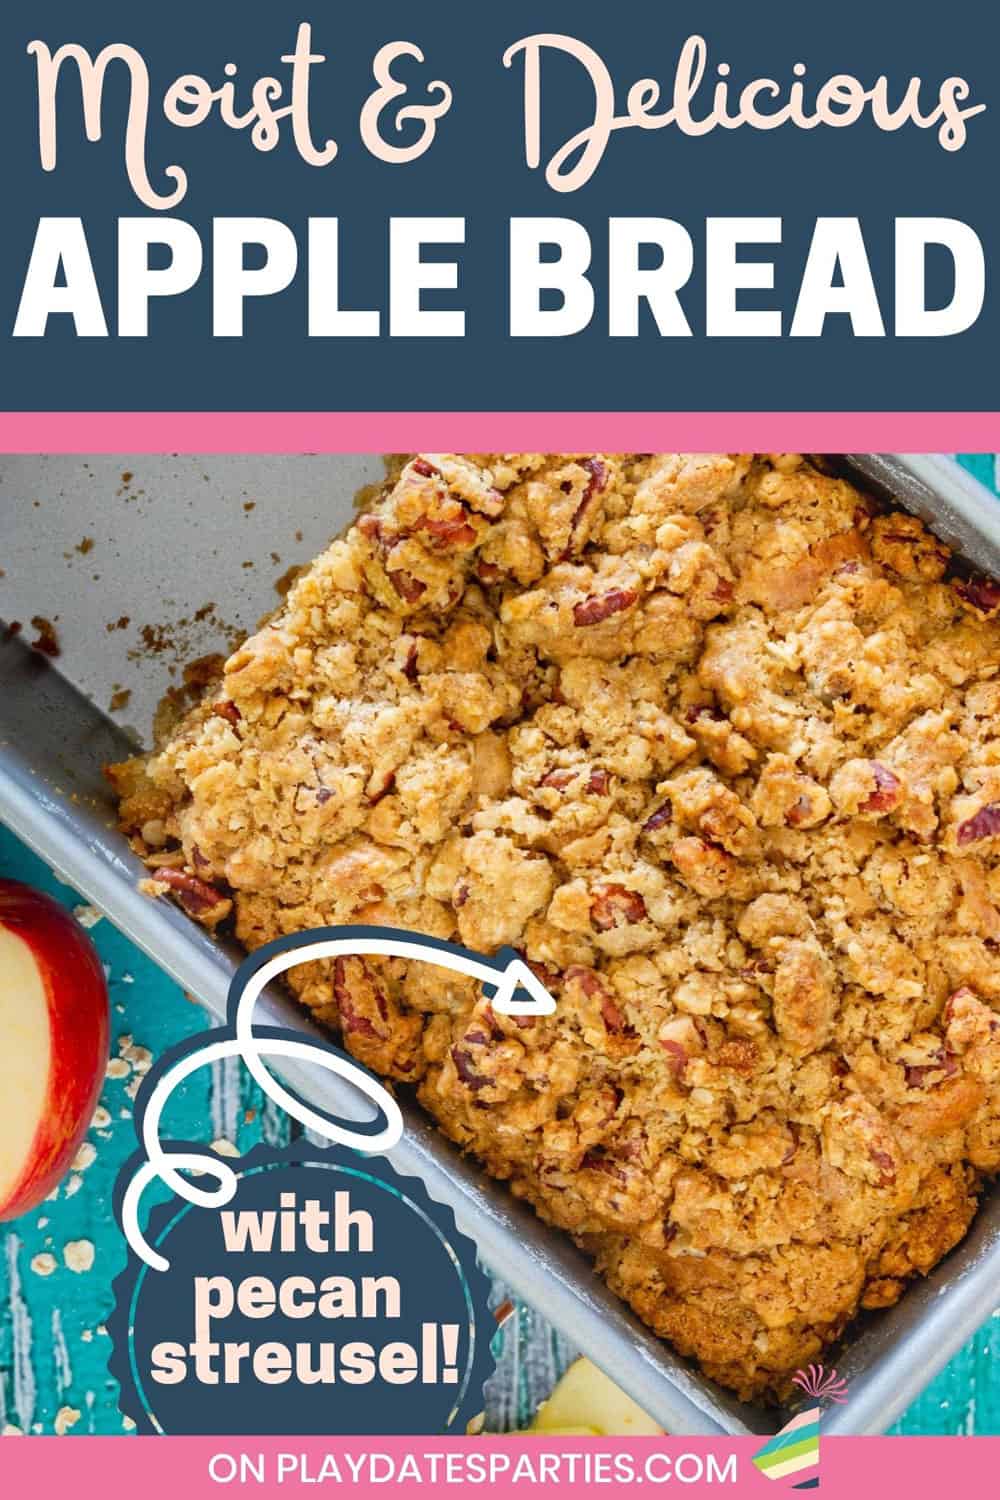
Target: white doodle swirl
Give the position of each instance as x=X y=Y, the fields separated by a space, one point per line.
x=168 y=1164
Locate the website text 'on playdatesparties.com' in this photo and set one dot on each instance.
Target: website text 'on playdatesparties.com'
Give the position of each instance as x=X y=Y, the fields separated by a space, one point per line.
x=499 y=749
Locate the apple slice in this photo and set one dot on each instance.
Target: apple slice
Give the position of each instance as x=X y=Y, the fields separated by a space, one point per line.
x=586 y=1399
x=53 y=1043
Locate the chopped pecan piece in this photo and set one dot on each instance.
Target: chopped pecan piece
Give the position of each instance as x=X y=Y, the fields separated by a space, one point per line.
x=354 y=987
x=800 y=813
x=464 y=1068
x=227 y=710
x=598 y=607
x=677 y=1053
x=409 y=668
x=613 y=905
x=560 y=779
x=612 y=1017
x=598 y=781
x=488 y=1015
x=598 y=472
x=985 y=824
x=865 y=787
x=887 y=1167
x=370 y=527
x=791 y=1151
x=407 y=587
x=857 y=1140
x=681 y=1038
x=589 y=982
x=968 y=1021
x=598 y=1160
x=942 y=1062
x=594 y=987
x=786 y=796
x=983 y=594
x=196 y=896
x=452 y=530
x=548 y=975
x=658 y=819
x=958 y=1002
x=887 y=789
x=705 y=867
x=902 y=543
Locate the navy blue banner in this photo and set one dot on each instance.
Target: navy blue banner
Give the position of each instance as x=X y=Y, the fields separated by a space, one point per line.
x=695 y=206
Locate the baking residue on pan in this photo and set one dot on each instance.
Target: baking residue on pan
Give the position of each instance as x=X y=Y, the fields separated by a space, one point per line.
x=176 y=640
x=288 y=577
x=197 y=676
x=173 y=642
x=46 y=641
x=126 y=492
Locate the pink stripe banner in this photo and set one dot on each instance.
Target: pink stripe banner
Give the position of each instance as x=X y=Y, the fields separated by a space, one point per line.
x=163 y=1468
x=478 y=432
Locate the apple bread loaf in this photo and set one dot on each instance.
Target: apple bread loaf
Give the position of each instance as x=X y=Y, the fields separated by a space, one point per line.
x=715 y=742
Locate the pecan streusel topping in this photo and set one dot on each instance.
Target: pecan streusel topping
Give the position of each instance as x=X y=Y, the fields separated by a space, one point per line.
x=716 y=745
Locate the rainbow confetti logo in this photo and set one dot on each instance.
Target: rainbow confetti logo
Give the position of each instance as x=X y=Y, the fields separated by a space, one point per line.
x=793 y=1453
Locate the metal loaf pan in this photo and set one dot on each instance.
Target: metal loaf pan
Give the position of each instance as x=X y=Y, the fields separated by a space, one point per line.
x=93 y=543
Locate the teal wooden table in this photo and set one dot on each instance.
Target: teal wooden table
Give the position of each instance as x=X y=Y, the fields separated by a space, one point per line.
x=53 y=1344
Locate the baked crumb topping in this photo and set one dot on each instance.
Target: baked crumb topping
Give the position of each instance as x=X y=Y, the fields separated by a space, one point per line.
x=716 y=745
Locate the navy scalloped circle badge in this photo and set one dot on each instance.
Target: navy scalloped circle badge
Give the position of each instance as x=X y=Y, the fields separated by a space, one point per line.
x=439 y=1310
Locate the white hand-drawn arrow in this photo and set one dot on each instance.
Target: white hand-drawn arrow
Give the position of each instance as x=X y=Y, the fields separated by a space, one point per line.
x=168 y=1165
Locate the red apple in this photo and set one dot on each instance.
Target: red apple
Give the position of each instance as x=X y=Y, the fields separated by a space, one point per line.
x=53 y=1043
